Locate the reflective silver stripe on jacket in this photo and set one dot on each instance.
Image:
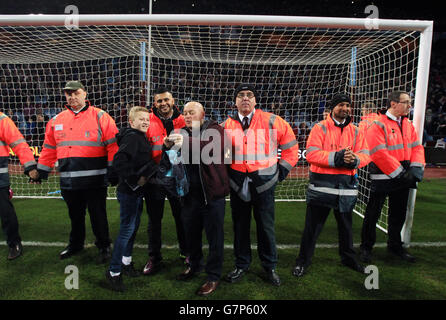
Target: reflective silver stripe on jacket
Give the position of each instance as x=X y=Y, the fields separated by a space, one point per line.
x=416 y=164
x=395 y=173
x=379 y=177
x=4 y=170
x=43 y=167
x=83 y=173
x=272 y=118
x=288 y=145
x=333 y=191
x=378 y=147
x=109 y=141
x=310 y=149
x=30 y=163
x=396 y=147
x=100 y=114
x=364 y=151
x=356 y=135
x=269 y=184
x=322 y=127
x=331 y=159
x=233 y=185
x=3 y=116
x=48 y=146
x=16 y=143
x=285 y=164
x=79 y=143
x=414 y=144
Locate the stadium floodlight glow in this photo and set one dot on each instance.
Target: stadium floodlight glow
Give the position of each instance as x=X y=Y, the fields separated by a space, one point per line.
x=297 y=63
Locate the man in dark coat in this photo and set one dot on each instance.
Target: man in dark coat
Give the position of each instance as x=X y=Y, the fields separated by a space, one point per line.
x=204 y=205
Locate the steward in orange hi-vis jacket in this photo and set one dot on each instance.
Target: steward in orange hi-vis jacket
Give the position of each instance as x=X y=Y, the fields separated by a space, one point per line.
x=10 y=137
x=82 y=140
x=335 y=149
x=255 y=136
x=397 y=165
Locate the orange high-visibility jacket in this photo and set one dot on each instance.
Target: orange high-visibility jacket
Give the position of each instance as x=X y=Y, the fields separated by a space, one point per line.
x=157 y=132
x=10 y=137
x=393 y=150
x=366 y=121
x=83 y=143
x=254 y=152
x=331 y=186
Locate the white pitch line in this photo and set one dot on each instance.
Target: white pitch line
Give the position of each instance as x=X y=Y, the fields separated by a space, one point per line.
x=229 y=246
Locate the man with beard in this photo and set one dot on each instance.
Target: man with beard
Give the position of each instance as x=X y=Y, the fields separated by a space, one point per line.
x=335 y=149
x=164 y=119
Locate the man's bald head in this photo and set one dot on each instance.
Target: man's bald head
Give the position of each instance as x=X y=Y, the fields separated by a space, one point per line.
x=193 y=113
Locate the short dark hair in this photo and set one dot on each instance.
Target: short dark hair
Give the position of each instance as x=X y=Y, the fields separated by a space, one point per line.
x=161 y=90
x=395 y=97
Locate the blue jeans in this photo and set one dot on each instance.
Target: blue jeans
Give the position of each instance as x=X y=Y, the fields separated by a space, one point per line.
x=130 y=214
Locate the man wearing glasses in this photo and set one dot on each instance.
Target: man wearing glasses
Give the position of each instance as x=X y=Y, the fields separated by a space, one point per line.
x=255 y=136
x=397 y=165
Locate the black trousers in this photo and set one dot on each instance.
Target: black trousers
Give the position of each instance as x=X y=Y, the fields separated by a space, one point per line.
x=154 y=197
x=314 y=221
x=196 y=217
x=10 y=224
x=396 y=218
x=263 y=208
x=77 y=202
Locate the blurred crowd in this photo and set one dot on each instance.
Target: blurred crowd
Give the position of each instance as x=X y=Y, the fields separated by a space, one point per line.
x=31 y=94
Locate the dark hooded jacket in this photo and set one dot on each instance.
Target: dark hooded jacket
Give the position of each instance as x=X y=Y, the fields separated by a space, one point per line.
x=133 y=160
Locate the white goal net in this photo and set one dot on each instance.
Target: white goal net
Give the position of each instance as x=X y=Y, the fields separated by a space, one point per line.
x=295 y=68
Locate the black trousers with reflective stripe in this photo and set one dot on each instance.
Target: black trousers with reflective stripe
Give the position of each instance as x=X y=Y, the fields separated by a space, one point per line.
x=314 y=222
x=8 y=216
x=77 y=202
x=396 y=218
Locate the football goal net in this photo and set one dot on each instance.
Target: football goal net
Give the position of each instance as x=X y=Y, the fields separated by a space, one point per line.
x=296 y=64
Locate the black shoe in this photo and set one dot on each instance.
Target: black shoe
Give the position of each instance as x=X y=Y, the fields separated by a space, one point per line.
x=104 y=255
x=299 y=270
x=403 y=254
x=129 y=270
x=354 y=266
x=235 y=275
x=115 y=282
x=68 y=252
x=187 y=274
x=15 y=251
x=365 y=256
x=273 y=277
x=152 y=266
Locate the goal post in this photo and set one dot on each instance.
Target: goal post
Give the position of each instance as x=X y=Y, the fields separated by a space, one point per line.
x=296 y=64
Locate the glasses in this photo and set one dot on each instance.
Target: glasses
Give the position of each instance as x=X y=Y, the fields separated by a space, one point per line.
x=405 y=102
x=250 y=95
